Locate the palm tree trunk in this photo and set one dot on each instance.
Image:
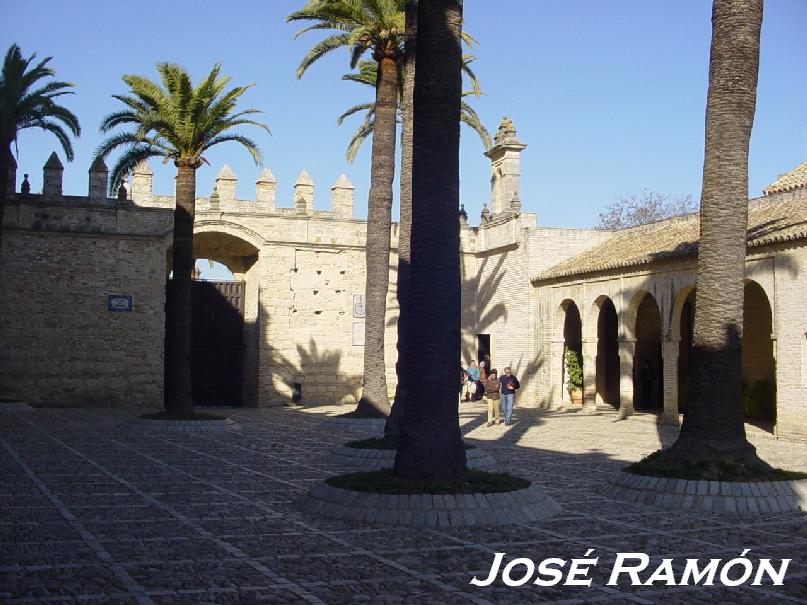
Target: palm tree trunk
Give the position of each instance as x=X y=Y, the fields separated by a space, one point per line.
x=713 y=424
x=431 y=443
x=179 y=398
x=374 y=400
x=393 y=426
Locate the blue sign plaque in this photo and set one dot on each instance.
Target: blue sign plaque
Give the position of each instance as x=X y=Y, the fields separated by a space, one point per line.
x=119 y=303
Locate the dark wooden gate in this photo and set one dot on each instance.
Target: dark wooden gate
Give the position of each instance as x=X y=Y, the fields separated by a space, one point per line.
x=217 y=342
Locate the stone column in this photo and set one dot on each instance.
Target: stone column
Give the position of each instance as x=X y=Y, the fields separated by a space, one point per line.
x=556 y=373
x=669 y=355
x=589 y=375
x=627 y=352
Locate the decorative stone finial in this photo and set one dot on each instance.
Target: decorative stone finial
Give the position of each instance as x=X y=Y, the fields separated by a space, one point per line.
x=485 y=213
x=54 y=163
x=515 y=203
x=463 y=214
x=25 y=188
x=214 y=197
x=506 y=133
x=304 y=179
x=122 y=193
x=266 y=176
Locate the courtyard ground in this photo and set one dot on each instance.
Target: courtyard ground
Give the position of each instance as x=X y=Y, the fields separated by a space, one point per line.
x=95 y=511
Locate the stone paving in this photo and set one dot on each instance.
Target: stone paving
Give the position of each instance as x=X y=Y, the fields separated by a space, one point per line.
x=96 y=510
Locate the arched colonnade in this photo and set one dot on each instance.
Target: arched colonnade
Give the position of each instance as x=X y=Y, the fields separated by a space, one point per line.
x=636 y=346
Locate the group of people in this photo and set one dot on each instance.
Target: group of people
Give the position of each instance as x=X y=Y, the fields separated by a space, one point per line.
x=479 y=381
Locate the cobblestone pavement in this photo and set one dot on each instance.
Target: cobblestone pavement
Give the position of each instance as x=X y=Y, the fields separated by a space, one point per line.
x=97 y=511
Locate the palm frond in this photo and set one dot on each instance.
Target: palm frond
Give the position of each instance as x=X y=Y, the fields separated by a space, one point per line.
x=29 y=100
x=319 y=50
x=368 y=107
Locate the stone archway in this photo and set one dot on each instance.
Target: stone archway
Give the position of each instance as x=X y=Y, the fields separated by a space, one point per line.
x=648 y=382
x=572 y=341
x=607 y=359
x=225 y=322
x=758 y=363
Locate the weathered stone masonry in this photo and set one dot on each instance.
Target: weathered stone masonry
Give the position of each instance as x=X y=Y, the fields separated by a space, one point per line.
x=621 y=297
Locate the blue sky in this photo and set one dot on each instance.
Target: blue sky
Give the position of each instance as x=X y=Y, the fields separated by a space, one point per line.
x=609 y=96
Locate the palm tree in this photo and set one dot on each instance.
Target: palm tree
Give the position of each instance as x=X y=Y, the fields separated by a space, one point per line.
x=431 y=443
x=28 y=102
x=367 y=75
x=713 y=426
x=377 y=27
x=393 y=426
x=178 y=122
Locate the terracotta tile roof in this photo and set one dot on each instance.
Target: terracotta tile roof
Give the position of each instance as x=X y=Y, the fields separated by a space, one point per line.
x=770 y=220
x=791 y=180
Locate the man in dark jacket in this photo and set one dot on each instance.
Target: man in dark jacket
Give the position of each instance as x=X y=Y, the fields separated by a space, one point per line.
x=509 y=386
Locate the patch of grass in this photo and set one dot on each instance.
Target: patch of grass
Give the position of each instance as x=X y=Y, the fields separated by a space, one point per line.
x=385 y=481
x=733 y=470
x=385 y=443
x=166 y=415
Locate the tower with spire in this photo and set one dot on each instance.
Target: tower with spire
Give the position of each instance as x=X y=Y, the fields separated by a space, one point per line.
x=505 y=169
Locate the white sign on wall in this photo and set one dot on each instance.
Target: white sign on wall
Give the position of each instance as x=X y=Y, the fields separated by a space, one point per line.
x=358 y=333
x=359 y=306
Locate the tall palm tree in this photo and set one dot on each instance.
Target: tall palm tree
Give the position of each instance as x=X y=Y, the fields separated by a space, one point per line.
x=377 y=27
x=713 y=426
x=393 y=425
x=367 y=75
x=178 y=122
x=28 y=101
x=431 y=444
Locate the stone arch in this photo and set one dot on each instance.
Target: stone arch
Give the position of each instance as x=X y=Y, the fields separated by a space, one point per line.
x=232 y=307
x=758 y=354
x=603 y=327
x=571 y=325
x=645 y=325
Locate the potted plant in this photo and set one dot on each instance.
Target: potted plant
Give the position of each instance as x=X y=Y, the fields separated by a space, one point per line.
x=574 y=376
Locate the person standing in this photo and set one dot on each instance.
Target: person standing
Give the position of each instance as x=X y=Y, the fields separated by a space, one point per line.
x=492 y=395
x=473 y=381
x=510 y=385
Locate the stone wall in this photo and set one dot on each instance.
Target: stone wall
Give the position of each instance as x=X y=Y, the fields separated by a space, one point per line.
x=59 y=264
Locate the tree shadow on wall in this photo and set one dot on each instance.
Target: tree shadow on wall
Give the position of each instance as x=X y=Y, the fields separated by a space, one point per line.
x=317 y=379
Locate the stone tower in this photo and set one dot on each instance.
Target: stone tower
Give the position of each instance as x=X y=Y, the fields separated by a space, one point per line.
x=505 y=169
